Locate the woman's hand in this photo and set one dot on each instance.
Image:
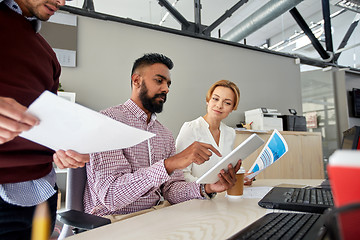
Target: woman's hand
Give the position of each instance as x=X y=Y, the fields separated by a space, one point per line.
x=248 y=181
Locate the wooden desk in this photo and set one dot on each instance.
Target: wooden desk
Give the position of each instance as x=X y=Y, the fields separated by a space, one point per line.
x=214 y=219
x=304 y=160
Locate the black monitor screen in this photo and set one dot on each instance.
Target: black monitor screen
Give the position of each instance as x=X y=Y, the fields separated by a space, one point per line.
x=351 y=138
x=356 y=102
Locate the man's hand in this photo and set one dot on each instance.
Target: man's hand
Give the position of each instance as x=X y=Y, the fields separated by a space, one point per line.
x=14 y=119
x=70 y=159
x=226 y=179
x=197 y=152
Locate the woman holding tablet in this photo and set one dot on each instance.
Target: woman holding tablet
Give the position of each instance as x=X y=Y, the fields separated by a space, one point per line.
x=221 y=99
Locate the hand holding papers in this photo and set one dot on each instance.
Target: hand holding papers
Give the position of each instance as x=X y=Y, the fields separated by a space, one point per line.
x=274 y=149
x=66 y=125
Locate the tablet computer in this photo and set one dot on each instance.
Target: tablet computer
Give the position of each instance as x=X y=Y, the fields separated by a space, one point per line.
x=240 y=152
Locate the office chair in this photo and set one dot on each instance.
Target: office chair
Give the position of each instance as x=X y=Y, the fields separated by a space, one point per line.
x=342 y=222
x=74 y=218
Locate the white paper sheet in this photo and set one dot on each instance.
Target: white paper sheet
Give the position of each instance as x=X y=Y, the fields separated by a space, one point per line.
x=255 y=192
x=66 y=125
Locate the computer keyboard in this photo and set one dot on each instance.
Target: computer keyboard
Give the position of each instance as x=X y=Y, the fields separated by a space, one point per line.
x=283 y=226
x=311 y=195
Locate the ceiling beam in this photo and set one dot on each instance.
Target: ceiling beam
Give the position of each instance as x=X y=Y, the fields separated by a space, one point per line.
x=327 y=25
x=180 y=18
x=223 y=17
x=89 y=5
x=197 y=15
x=347 y=36
x=315 y=42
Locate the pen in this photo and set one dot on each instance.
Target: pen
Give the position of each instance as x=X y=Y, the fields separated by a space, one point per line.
x=41 y=222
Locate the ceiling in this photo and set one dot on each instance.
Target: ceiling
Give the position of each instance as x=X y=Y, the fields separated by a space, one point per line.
x=280 y=28
x=151 y=12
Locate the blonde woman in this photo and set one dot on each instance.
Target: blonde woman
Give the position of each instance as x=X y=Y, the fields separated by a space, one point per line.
x=221 y=99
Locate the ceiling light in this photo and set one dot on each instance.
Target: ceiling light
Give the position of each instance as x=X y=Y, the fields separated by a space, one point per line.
x=316 y=28
x=305 y=41
x=352 y=5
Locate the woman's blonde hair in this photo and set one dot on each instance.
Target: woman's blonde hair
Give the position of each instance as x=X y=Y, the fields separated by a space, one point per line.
x=228 y=84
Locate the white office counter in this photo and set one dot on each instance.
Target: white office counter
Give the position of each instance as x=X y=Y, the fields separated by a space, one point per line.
x=214 y=219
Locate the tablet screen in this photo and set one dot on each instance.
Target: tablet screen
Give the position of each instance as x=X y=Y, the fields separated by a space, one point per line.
x=240 y=152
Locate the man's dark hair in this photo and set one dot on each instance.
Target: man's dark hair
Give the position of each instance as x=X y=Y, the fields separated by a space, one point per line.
x=150 y=59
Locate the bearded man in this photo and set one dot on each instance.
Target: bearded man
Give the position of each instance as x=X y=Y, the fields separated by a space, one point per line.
x=134 y=179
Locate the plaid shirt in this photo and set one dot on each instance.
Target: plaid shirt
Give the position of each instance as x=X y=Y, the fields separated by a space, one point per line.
x=128 y=180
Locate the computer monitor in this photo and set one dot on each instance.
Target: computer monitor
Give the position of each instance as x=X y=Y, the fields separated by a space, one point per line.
x=351 y=138
x=356 y=102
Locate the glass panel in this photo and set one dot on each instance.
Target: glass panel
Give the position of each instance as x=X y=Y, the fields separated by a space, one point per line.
x=318 y=101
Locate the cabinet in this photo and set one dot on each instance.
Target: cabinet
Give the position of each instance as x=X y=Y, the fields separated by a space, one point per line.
x=304 y=160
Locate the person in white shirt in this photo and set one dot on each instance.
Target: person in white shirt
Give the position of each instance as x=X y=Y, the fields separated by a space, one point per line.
x=222 y=98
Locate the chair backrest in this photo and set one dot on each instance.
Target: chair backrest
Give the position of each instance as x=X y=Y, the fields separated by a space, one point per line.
x=75 y=185
x=76 y=180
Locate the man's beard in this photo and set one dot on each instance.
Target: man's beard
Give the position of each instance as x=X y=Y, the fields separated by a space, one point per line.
x=151 y=104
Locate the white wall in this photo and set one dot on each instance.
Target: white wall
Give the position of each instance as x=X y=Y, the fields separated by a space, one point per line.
x=107 y=50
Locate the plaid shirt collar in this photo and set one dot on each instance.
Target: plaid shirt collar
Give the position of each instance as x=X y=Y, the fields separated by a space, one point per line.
x=138 y=112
